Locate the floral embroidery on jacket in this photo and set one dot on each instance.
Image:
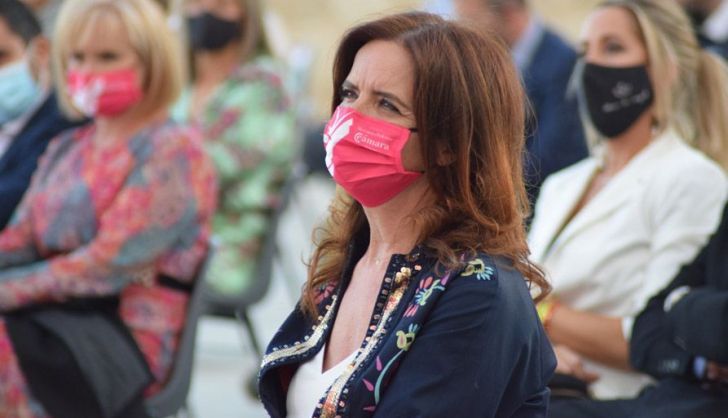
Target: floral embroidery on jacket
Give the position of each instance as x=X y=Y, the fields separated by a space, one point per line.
x=404 y=341
x=479 y=269
x=413 y=283
x=325 y=291
x=424 y=291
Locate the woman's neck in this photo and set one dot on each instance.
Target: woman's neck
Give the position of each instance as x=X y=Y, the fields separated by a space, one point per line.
x=109 y=131
x=213 y=67
x=392 y=229
x=619 y=151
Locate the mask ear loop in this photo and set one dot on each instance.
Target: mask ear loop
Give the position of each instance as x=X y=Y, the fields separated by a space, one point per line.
x=414 y=131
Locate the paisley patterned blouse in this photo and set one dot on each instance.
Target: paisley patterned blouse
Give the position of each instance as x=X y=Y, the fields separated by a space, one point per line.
x=247 y=128
x=460 y=343
x=103 y=221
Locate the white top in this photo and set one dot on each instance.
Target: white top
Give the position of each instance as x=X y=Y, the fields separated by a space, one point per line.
x=309 y=385
x=629 y=241
x=716 y=26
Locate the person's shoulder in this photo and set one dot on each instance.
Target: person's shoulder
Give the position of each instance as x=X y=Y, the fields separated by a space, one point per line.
x=554 y=53
x=259 y=83
x=496 y=280
x=687 y=163
x=262 y=69
x=69 y=137
x=555 y=42
x=690 y=156
x=169 y=140
x=173 y=134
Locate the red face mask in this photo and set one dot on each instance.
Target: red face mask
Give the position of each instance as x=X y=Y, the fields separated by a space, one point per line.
x=364 y=156
x=104 y=94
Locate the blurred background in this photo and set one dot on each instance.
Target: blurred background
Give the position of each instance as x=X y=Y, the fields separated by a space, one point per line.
x=315 y=26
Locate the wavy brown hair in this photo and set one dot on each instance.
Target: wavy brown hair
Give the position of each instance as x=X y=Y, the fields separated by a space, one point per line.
x=469 y=105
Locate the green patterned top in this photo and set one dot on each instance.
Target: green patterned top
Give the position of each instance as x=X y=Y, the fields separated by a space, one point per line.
x=248 y=131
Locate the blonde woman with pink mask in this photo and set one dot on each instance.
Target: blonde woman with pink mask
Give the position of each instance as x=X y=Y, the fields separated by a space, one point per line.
x=98 y=261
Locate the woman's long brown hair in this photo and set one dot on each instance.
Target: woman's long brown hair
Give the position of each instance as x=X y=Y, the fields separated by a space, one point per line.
x=469 y=108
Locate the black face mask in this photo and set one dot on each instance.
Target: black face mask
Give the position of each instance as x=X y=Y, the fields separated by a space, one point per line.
x=615 y=96
x=209 y=32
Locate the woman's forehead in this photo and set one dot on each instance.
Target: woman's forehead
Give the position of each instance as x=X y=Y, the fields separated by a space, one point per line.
x=383 y=65
x=609 y=21
x=101 y=28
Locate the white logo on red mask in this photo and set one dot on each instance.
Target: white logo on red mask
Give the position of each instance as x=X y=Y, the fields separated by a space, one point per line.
x=104 y=94
x=364 y=156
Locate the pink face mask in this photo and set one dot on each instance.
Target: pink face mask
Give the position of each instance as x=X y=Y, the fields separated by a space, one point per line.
x=364 y=156
x=104 y=94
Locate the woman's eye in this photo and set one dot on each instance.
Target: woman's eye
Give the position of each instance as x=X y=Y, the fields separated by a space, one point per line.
x=77 y=57
x=347 y=94
x=614 y=47
x=388 y=105
x=108 y=56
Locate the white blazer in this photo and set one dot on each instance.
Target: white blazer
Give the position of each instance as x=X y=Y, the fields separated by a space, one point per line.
x=629 y=241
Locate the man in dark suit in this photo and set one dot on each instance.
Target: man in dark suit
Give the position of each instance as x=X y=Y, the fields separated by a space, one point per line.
x=555 y=135
x=681 y=339
x=710 y=19
x=29 y=115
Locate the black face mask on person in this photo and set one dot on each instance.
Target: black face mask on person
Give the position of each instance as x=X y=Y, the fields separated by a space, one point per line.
x=209 y=33
x=615 y=96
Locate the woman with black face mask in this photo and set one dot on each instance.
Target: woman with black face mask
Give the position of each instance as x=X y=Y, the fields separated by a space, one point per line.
x=612 y=230
x=237 y=101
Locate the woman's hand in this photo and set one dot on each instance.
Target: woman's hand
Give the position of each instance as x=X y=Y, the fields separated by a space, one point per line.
x=570 y=363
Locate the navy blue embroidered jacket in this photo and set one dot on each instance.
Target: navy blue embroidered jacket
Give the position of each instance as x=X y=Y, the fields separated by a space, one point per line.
x=463 y=343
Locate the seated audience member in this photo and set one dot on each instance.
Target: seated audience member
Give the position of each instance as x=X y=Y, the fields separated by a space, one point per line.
x=97 y=263
x=29 y=115
x=710 y=19
x=555 y=135
x=237 y=101
x=417 y=301
x=613 y=229
x=680 y=339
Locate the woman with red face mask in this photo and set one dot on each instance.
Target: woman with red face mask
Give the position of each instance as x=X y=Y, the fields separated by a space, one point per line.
x=97 y=263
x=417 y=300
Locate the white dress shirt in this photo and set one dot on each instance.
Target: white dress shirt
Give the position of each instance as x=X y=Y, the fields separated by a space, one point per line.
x=715 y=26
x=629 y=241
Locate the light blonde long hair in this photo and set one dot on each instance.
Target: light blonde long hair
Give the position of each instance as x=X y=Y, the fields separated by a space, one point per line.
x=691 y=85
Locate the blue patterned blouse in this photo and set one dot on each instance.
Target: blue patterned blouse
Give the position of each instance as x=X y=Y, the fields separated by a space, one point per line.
x=441 y=343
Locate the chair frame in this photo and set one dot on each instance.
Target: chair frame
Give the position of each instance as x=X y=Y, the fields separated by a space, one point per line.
x=172 y=399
